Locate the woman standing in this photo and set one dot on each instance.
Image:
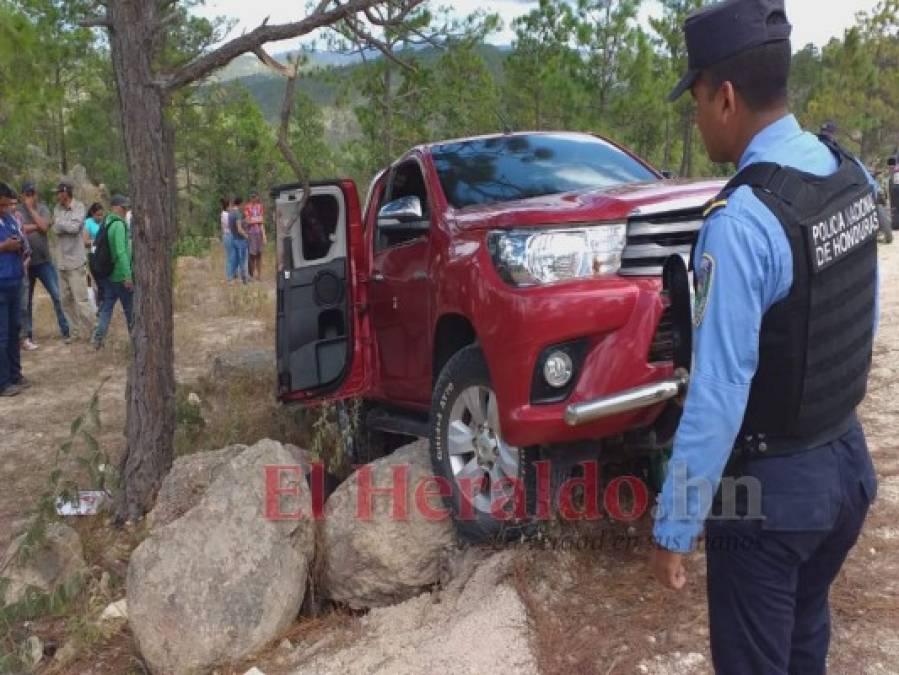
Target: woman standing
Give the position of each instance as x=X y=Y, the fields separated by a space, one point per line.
x=227 y=242
x=254 y=221
x=95 y=215
x=92 y=225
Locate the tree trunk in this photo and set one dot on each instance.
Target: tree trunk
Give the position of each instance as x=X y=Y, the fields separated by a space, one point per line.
x=151 y=376
x=686 y=166
x=666 y=160
x=61 y=122
x=388 y=114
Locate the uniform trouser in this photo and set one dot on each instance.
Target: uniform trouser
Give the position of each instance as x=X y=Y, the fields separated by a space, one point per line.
x=75 y=299
x=46 y=274
x=769 y=580
x=10 y=314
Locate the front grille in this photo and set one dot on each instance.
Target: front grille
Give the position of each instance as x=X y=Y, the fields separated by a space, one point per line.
x=662 y=348
x=652 y=239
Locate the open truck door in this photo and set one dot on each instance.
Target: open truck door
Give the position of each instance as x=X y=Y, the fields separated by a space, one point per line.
x=322 y=333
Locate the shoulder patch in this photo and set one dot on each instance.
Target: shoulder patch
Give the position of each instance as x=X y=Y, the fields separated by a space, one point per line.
x=705 y=279
x=714 y=206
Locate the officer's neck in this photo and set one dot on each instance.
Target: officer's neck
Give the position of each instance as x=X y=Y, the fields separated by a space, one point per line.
x=754 y=124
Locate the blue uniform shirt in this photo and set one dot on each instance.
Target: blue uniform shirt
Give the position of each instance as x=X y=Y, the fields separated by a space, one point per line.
x=750 y=263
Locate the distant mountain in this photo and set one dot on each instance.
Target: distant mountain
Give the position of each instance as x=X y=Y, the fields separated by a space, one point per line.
x=325 y=71
x=249 y=66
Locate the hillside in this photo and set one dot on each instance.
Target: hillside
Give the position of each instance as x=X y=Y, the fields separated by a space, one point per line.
x=325 y=74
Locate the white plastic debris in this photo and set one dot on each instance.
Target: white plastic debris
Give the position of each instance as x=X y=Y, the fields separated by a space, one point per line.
x=115 y=610
x=87 y=504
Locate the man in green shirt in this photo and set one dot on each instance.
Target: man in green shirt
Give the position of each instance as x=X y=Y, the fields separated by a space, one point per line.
x=118 y=285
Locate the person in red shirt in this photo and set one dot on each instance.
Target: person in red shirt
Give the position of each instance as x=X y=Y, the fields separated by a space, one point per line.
x=254 y=221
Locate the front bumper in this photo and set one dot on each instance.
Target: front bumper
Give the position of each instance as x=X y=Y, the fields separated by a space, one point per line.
x=618 y=317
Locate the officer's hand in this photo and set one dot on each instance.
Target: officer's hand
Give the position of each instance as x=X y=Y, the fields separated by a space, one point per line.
x=668 y=567
x=128 y=284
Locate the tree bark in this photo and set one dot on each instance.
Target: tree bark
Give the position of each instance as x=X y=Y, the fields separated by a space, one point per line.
x=686 y=166
x=151 y=376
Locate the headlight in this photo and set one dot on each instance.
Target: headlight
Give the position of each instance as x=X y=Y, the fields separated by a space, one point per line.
x=545 y=256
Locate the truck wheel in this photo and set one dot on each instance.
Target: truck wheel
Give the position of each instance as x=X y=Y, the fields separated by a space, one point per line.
x=493 y=483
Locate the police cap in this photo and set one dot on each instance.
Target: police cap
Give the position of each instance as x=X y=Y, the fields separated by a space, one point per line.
x=717 y=32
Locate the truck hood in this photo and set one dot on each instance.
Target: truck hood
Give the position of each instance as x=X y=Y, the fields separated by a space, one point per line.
x=608 y=204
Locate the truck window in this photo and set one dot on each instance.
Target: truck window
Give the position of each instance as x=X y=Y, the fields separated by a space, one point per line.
x=508 y=168
x=318 y=225
x=407 y=181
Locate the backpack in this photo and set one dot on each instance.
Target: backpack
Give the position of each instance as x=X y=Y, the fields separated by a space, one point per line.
x=100 y=259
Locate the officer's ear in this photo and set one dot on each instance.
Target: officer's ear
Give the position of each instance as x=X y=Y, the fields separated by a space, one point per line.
x=726 y=99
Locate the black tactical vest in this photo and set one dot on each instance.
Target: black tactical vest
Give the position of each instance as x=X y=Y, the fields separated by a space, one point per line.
x=815 y=345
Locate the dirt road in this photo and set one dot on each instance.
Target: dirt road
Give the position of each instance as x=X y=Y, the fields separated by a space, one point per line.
x=572 y=612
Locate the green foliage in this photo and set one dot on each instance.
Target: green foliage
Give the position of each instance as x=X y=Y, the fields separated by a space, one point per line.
x=334 y=429
x=543 y=74
x=862 y=68
x=191 y=246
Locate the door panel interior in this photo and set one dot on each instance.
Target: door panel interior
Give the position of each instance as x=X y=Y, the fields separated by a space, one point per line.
x=314 y=338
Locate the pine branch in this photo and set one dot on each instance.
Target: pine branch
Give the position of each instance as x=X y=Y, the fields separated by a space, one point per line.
x=320 y=17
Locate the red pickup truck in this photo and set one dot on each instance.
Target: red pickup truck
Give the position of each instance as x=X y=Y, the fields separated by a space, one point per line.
x=501 y=295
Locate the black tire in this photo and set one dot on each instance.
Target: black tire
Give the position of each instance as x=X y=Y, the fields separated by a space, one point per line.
x=467 y=369
x=886 y=225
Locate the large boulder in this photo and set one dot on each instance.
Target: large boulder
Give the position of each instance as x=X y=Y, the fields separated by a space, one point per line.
x=222 y=581
x=57 y=561
x=382 y=560
x=190 y=478
x=243 y=363
x=187 y=482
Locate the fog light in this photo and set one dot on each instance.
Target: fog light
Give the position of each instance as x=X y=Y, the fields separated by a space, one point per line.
x=558 y=369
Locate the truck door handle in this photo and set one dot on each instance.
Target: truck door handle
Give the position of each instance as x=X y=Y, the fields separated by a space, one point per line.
x=377 y=277
x=419 y=275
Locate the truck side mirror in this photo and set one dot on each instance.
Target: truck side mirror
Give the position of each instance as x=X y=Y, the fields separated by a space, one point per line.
x=891 y=161
x=667 y=175
x=402 y=214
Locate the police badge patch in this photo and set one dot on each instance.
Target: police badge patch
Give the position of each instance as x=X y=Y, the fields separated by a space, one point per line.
x=705 y=277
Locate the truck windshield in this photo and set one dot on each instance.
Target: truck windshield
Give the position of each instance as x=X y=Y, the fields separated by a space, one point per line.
x=508 y=168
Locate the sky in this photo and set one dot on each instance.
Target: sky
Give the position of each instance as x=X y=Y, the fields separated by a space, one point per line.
x=810 y=22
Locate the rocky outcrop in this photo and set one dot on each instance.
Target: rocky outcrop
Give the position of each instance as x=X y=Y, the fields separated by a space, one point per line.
x=248 y=362
x=57 y=561
x=393 y=555
x=221 y=581
x=477 y=623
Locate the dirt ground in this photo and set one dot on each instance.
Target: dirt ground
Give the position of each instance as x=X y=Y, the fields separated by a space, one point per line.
x=572 y=612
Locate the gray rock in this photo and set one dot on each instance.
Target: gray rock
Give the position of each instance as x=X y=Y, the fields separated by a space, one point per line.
x=58 y=561
x=222 y=581
x=187 y=482
x=191 y=476
x=383 y=560
x=247 y=362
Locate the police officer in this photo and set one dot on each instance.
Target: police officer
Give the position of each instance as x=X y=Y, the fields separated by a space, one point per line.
x=784 y=318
